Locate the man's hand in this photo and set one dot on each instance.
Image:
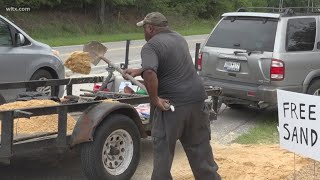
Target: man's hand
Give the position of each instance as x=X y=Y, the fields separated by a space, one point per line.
x=162 y=104
x=132 y=72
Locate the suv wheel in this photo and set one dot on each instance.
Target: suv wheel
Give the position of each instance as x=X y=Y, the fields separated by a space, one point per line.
x=43 y=75
x=314 y=88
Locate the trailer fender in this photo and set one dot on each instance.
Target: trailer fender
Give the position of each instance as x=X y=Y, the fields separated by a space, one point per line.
x=92 y=117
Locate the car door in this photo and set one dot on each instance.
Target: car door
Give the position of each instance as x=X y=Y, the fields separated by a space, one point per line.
x=12 y=62
x=301 y=54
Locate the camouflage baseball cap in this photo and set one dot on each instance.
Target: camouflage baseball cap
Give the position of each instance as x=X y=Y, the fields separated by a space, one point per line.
x=154 y=18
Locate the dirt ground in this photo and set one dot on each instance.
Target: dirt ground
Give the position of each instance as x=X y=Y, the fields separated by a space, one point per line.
x=237 y=162
x=252 y=162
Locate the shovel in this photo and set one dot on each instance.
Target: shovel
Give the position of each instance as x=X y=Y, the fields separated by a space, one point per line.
x=97 y=51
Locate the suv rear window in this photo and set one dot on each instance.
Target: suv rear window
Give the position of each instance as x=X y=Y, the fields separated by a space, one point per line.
x=301 y=34
x=248 y=33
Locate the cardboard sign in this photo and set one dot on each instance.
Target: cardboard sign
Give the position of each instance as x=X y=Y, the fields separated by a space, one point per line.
x=299 y=123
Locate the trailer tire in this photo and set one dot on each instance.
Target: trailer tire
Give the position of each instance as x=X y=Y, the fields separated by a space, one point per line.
x=114 y=152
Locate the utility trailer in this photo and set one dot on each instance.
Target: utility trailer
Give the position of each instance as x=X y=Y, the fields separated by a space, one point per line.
x=107 y=133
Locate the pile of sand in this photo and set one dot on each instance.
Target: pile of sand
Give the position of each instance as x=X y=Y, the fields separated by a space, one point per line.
x=239 y=162
x=79 y=62
x=37 y=124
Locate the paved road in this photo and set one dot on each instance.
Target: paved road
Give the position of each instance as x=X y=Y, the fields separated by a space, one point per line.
x=116 y=50
x=116 y=53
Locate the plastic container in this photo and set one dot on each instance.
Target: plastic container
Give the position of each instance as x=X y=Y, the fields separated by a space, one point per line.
x=96 y=87
x=141 y=91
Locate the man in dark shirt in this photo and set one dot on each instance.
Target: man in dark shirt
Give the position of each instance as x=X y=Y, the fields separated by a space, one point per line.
x=170 y=78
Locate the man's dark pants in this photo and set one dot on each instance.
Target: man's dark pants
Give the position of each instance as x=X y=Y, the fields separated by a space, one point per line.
x=190 y=124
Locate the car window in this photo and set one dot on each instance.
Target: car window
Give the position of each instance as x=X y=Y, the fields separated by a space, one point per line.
x=5 y=35
x=301 y=34
x=248 y=33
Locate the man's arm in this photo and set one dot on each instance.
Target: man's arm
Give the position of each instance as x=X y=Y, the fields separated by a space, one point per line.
x=150 y=63
x=151 y=83
x=132 y=72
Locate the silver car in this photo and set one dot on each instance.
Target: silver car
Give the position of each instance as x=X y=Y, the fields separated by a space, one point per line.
x=252 y=54
x=24 y=59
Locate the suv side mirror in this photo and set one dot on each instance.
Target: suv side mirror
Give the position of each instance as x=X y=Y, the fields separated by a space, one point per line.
x=20 y=40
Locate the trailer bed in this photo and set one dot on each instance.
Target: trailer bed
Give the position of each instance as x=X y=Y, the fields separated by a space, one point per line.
x=10 y=145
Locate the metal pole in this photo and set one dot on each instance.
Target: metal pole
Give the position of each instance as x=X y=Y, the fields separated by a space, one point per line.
x=294 y=166
x=62 y=126
x=314 y=169
x=126 y=63
x=280 y=5
x=6 y=137
x=196 y=55
x=69 y=89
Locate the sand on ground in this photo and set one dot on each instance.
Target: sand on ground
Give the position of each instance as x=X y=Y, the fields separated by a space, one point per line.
x=249 y=162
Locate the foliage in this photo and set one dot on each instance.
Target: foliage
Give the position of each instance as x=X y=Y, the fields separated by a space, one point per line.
x=198 y=8
x=104 y=12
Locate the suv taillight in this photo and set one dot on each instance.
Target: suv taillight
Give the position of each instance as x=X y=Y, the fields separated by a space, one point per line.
x=200 y=62
x=277 y=70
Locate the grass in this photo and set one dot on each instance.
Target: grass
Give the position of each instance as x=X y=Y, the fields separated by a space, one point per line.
x=65 y=35
x=64 y=28
x=66 y=38
x=82 y=39
x=265 y=132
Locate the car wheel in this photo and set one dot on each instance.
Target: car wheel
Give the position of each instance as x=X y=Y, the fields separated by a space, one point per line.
x=314 y=88
x=43 y=75
x=114 y=152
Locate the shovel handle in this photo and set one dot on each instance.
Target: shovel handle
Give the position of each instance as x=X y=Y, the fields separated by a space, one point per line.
x=122 y=73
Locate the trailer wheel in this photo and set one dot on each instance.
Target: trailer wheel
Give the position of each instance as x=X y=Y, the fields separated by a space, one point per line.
x=114 y=152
